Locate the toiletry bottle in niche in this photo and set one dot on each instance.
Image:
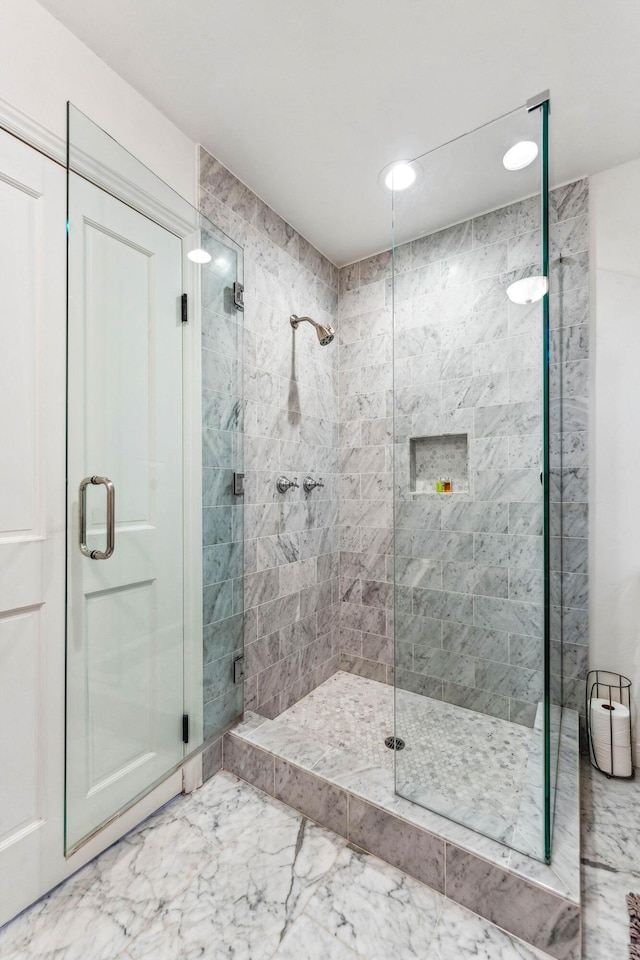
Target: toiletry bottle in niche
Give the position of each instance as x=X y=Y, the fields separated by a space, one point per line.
x=446 y=485
x=439 y=487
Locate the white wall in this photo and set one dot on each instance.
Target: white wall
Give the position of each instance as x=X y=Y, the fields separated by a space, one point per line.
x=42 y=65
x=614 y=641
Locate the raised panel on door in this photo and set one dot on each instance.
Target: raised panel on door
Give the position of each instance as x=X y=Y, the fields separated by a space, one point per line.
x=22 y=656
x=120 y=329
x=32 y=435
x=125 y=614
x=19 y=323
x=121 y=698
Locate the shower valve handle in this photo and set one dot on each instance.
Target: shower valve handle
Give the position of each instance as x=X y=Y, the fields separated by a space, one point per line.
x=310 y=484
x=283 y=484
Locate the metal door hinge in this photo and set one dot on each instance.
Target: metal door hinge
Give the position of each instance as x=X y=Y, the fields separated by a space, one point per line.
x=185 y=307
x=238 y=484
x=185 y=728
x=238 y=669
x=238 y=296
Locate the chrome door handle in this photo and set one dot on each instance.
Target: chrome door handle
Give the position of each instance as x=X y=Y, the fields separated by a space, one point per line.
x=111 y=518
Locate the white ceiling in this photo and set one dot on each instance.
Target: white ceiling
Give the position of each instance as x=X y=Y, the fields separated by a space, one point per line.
x=307 y=100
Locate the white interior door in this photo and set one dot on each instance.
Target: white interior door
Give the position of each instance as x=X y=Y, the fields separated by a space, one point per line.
x=125 y=640
x=32 y=433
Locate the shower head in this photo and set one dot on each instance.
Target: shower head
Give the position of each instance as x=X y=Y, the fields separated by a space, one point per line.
x=325 y=334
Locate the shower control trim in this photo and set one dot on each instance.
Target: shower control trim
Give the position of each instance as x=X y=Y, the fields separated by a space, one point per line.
x=283 y=484
x=310 y=484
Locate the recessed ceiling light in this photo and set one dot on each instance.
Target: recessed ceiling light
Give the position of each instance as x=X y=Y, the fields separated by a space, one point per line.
x=528 y=290
x=399 y=175
x=520 y=155
x=199 y=256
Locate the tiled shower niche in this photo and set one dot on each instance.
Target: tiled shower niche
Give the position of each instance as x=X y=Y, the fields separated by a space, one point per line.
x=434 y=458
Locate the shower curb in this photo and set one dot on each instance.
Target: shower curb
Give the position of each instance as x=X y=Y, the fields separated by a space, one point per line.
x=521 y=907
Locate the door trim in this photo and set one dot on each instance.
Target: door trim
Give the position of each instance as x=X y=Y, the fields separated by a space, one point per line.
x=32 y=132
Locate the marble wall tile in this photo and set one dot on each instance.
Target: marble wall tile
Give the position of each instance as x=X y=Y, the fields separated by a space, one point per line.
x=442 y=605
x=508 y=420
x=212 y=759
x=260 y=654
x=444 y=665
x=415 y=572
x=507 y=222
x=217 y=601
x=249 y=762
x=277 y=677
x=435 y=545
x=548 y=922
x=261 y=587
x=571 y=200
x=485 y=261
x=312 y=796
x=418 y=683
x=481 y=391
x=508 y=615
x=291 y=415
x=350 y=641
x=221 y=712
x=461 y=351
x=442 y=244
x=375 y=268
x=473 y=698
x=222 y=638
x=423 y=630
x=371 y=669
x=418 y=853
x=278 y=613
x=414 y=283
x=476 y=641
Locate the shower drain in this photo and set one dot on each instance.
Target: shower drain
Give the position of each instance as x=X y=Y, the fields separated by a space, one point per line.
x=394 y=743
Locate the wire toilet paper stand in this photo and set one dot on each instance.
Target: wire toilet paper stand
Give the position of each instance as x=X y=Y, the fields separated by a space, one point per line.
x=608 y=710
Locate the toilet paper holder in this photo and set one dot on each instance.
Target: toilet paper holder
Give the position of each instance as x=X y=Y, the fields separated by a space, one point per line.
x=608 y=690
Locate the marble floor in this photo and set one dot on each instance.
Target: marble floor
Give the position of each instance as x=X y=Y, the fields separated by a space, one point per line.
x=610 y=861
x=230 y=873
x=456 y=762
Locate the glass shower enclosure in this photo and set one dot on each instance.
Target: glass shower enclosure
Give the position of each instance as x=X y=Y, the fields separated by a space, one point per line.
x=473 y=670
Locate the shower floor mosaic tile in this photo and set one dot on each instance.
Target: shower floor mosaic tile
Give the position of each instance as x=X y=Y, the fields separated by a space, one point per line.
x=228 y=873
x=450 y=752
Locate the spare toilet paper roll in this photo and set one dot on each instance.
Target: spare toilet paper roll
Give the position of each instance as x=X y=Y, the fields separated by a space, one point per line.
x=611 y=737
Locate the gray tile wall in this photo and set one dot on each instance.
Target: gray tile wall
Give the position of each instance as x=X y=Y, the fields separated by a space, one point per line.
x=291 y=427
x=366 y=463
x=569 y=390
x=468 y=573
x=469 y=568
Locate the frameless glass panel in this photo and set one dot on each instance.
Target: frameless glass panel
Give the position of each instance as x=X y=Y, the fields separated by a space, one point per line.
x=150 y=642
x=471 y=482
x=222 y=461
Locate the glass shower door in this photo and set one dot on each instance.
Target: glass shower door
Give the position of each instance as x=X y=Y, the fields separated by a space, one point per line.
x=155 y=426
x=125 y=507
